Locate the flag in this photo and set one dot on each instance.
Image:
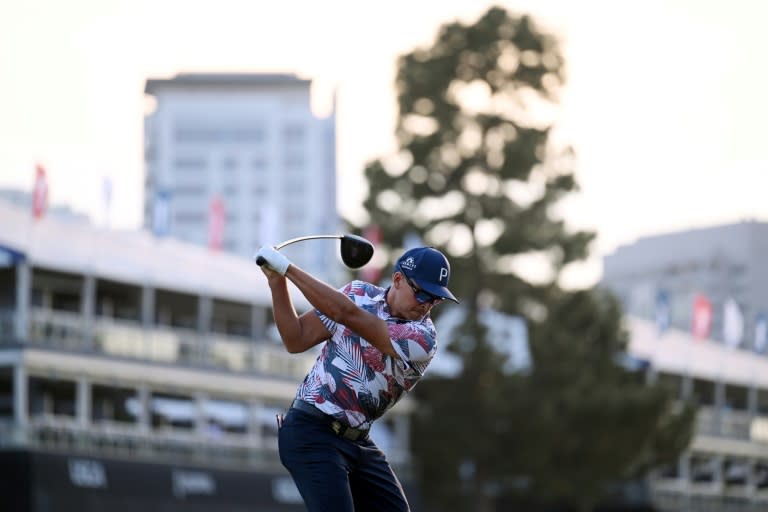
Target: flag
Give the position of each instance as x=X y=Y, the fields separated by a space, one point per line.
x=733 y=323
x=702 y=317
x=761 y=332
x=268 y=225
x=370 y=272
x=106 y=199
x=216 y=217
x=161 y=213
x=40 y=193
x=662 y=313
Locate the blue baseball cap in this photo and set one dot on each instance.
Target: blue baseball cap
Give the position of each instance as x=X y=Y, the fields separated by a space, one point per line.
x=428 y=268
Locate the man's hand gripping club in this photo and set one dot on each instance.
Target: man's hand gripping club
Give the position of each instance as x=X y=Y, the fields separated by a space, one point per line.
x=273 y=258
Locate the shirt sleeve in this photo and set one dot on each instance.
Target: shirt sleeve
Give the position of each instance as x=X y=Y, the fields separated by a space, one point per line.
x=415 y=343
x=330 y=324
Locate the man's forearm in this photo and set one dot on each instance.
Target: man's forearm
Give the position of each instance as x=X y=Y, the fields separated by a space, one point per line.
x=322 y=296
x=284 y=313
x=339 y=308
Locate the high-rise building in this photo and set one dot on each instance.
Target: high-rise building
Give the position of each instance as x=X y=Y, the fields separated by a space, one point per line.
x=247 y=144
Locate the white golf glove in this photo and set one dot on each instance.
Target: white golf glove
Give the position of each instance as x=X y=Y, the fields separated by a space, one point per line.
x=274 y=259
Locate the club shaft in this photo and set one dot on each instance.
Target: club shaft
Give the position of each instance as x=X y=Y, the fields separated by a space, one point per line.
x=302 y=238
x=260 y=261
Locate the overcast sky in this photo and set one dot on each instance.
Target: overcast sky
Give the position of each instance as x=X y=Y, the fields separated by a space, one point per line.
x=665 y=102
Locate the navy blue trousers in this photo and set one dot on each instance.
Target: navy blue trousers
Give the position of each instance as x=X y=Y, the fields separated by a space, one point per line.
x=334 y=474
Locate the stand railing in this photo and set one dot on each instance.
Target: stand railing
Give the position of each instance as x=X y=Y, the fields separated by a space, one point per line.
x=67 y=331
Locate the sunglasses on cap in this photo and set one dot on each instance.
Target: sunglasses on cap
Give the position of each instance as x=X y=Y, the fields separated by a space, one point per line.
x=422 y=296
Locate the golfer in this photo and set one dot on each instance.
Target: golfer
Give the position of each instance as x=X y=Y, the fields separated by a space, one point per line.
x=378 y=343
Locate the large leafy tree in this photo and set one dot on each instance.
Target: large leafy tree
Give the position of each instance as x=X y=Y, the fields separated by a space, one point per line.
x=478 y=176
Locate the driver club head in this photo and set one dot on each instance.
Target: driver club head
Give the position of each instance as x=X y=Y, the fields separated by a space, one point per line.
x=356 y=251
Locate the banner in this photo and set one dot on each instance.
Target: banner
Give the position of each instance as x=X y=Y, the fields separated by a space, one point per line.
x=269 y=228
x=662 y=313
x=761 y=332
x=40 y=193
x=161 y=213
x=733 y=323
x=106 y=200
x=216 y=217
x=371 y=272
x=702 y=317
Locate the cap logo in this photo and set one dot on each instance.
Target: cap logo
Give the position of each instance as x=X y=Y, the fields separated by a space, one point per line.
x=408 y=263
x=443 y=273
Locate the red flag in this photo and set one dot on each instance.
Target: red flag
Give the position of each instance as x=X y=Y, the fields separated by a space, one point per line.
x=40 y=193
x=371 y=273
x=702 y=317
x=216 y=216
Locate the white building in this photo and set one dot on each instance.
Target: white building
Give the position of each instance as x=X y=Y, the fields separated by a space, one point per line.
x=252 y=141
x=725 y=468
x=143 y=372
x=719 y=262
x=658 y=279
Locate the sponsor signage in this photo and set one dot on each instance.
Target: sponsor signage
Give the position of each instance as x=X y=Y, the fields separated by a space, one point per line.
x=95 y=484
x=87 y=473
x=188 y=483
x=758 y=429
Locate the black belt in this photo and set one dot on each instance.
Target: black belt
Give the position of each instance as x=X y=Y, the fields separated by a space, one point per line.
x=341 y=430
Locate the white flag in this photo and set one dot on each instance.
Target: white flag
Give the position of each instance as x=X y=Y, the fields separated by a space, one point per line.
x=269 y=225
x=106 y=200
x=761 y=332
x=161 y=213
x=733 y=323
x=663 y=314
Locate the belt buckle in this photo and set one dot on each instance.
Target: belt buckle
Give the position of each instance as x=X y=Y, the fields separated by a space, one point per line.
x=352 y=434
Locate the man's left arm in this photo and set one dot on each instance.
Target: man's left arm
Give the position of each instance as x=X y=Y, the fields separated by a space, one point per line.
x=415 y=343
x=332 y=303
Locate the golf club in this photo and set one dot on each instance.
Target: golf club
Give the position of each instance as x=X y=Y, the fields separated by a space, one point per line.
x=356 y=251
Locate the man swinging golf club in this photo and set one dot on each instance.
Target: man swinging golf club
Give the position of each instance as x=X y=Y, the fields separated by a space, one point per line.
x=379 y=342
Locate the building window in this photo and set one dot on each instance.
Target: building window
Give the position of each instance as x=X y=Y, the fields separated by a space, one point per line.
x=293 y=215
x=189 y=190
x=294 y=133
x=190 y=163
x=231 y=133
x=189 y=217
x=229 y=163
x=294 y=161
x=259 y=163
x=294 y=188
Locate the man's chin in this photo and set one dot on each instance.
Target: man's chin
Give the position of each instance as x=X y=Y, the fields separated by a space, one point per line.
x=417 y=315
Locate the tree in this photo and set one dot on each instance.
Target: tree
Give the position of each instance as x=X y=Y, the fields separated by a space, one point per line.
x=478 y=176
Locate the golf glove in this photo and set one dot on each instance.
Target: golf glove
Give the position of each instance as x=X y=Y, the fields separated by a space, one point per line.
x=276 y=261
